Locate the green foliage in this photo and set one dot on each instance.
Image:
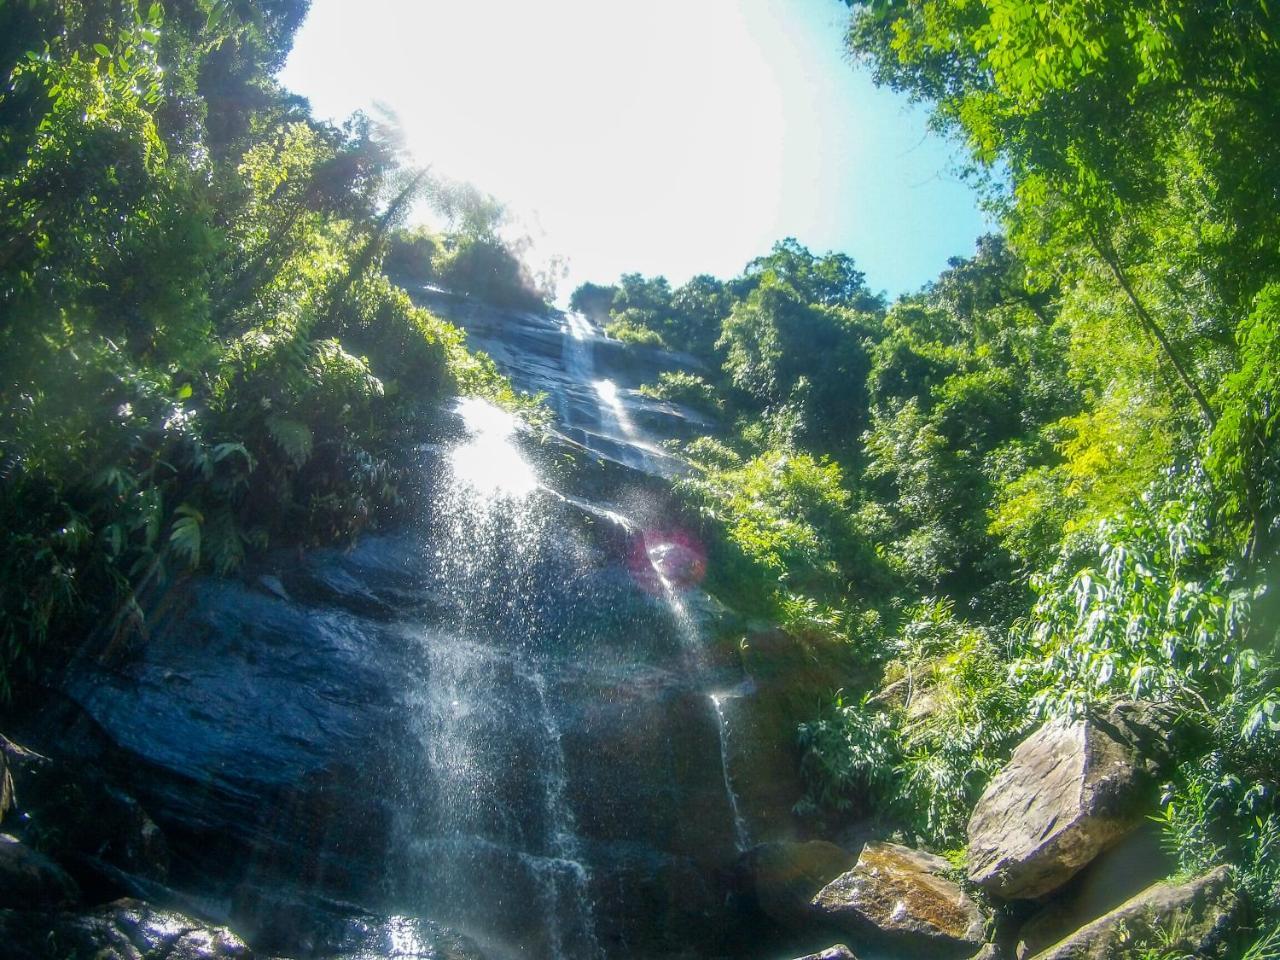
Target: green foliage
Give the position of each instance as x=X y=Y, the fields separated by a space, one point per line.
x=410 y=258
x=687 y=388
x=1158 y=611
x=628 y=329
x=849 y=757
x=208 y=359
x=593 y=300
x=486 y=268
x=1245 y=446
x=783 y=525
x=945 y=721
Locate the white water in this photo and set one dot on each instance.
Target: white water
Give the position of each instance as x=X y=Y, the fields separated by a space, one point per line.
x=489 y=731
x=740 y=832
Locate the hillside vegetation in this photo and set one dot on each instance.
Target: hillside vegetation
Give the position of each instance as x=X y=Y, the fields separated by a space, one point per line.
x=1049 y=480
x=199 y=352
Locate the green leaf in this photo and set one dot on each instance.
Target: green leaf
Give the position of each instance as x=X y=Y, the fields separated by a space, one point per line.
x=292 y=437
x=102 y=50
x=184 y=536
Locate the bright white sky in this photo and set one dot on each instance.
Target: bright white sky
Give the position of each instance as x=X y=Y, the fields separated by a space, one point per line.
x=670 y=136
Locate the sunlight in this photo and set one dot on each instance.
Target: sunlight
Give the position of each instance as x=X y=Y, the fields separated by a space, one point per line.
x=602 y=125
x=489 y=461
x=607 y=391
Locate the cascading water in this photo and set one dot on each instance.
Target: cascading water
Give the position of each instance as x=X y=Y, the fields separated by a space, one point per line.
x=739 y=823
x=491 y=742
x=568 y=764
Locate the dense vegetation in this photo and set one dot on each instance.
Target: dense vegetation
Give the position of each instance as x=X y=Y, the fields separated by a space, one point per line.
x=1048 y=480
x=199 y=353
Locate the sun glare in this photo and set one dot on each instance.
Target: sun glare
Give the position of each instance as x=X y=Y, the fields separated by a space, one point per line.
x=668 y=137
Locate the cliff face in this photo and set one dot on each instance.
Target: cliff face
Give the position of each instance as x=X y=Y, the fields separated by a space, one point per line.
x=516 y=717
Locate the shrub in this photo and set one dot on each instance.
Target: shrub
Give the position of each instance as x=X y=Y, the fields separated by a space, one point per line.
x=687 y=388
x=628 y=330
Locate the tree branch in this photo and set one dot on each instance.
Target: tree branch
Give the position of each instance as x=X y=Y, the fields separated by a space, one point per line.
x=1112 y=261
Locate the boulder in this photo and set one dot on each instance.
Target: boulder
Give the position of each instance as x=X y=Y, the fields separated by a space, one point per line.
x=75 y=813
x=1071 y=790
x=124 y=930
x=399 y=938
x=787 y=876
x=1189 y=919
x=901 y=894
x=29 y=879
x=837 y=952
x=1130 y=867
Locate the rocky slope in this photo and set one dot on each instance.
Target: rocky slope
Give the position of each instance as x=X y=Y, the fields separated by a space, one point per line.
x=517 y=718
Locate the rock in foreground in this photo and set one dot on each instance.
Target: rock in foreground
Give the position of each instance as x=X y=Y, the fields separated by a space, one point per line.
x=837 y=952
x=786 y=876
x=124 y=930
x=900 y=894
x=1187 y=920
x=1070 y=791
x=30 y=879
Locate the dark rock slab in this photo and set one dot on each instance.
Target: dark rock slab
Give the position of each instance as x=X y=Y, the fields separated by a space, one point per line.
x=30 y=879
x=1125 y=870
x=251 y=727
x=1189 y=919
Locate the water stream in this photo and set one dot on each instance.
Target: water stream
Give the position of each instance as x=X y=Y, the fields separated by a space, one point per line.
x=739 y=823
x=553 y=685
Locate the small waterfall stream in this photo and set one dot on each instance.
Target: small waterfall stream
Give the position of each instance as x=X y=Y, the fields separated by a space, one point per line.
x=739 y=824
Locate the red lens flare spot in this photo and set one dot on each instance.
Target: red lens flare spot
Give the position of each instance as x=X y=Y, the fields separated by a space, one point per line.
x=667 y=559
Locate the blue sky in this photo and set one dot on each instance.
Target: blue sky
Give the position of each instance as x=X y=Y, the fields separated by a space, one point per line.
x=673 y=136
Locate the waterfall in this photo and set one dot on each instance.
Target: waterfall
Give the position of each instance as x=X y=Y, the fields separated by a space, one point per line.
x=494 y=803
x=739 y=824
x=565 y=764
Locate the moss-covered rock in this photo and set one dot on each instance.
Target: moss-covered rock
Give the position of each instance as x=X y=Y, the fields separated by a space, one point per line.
x=902 y=895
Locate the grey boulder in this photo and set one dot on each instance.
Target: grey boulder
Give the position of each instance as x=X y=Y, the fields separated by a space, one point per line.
x=1071 y=790
x=1187 y=919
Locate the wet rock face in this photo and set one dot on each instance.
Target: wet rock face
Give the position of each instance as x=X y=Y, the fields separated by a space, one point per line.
x=786 y=876
x=837 y=952
x=1070 y=791
x=490 y=719
x=252 y=725
x=372 y=753
x=318 y=929
x=901 y=895
x=1191 y=919
x=589 y=379
x=30 y=879
x=124 y=930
